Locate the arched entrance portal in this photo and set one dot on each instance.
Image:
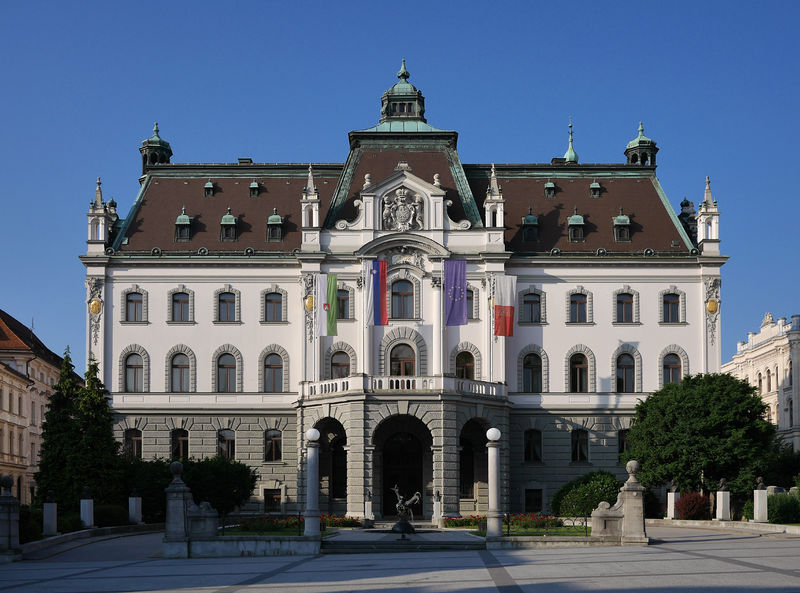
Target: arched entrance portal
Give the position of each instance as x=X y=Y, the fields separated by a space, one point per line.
x=403 y=457
x=332 y=467
x=473 y=480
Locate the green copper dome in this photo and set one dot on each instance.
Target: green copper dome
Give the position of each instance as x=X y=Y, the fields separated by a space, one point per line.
x=641 y=139
x=228 y=218
x=530 y=218
x=571 y=156
x=183 y=218
x=275 y=218
x=575 y=219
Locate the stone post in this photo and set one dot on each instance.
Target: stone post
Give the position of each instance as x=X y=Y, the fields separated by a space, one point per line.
x=9 y=517
x=369 y=514
x=312 y=483
x=437 y=508
x=672 y=498
x=723 y=506
x=49 y=516
x=494 y=518
x=760 y=506
x=179 y=497
x=87 y=508
x=632 y=495
x=135 y=508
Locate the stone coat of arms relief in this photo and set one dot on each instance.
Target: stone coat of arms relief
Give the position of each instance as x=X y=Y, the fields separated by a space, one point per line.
x=402 y=212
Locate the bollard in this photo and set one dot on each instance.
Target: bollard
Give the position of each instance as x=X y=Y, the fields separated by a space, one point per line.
x=312 y=483
x=494 y=519
x=135 y=508
x=50 y=516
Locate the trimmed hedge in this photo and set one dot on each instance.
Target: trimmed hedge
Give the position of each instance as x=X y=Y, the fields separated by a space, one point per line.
x=783 y=508
x=107 y=515
x=589 y=490
x=693 y=506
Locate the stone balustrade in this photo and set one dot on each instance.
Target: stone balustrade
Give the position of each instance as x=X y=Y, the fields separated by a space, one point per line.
x=393 y=384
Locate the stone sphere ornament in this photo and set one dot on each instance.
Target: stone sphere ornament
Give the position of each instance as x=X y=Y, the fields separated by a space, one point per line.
x=493 y=434
x=633 y=467
x=6 y=482
x=312 y=434
x=176 y=468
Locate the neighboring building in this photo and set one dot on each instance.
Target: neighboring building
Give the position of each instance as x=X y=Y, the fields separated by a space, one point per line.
x=196 y=313
x=768 y=360
x=28 y=371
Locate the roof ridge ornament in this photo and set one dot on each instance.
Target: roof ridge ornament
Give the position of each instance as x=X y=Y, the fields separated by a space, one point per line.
x=403 y=74
x=494 y=188
x=98 y=195
x=311 y=187
x=707 y=198
x=571 y=156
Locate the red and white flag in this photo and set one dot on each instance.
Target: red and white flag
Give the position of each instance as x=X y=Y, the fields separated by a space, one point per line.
x=505 y=288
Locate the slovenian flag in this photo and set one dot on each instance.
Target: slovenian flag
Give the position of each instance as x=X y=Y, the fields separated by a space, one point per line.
x=326 y=304
x=505 y=288
x=377 y=312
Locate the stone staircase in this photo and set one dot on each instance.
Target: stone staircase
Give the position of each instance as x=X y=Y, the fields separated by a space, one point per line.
x=380 y=539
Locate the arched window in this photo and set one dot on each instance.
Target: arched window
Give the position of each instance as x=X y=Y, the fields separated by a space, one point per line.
x=769 y=381
x=134 y=310
x=672 y=307
x=580 y=445
x=227 y=306
x=790 y=372
x=343 y=304
x=577 y=308
x=132 y=445
x=180 y=369
x=760 y=385
x=531 y=308
x=790 y=419
x=340 y=365
x=403 y=361
x=532 y=374
x=402 y=299
x=180 y=306
x=273 y=373
x=465 y=365
x=226 y=373
x=533 y=445
x=134 y=374
x=625 y=373
x=226 y=444
x=624 y=307
x=272 y=445
x=672 y=369
x=179 y=443
x=578 y=373
x=273 y=307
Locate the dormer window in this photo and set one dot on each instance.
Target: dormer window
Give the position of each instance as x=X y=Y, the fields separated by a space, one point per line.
x=530 y=227
x=274 y=227
x=622 y=228
x=209 y=188
x=575 y=225
x=254 y=189
x=227 y=231
x=549 y=189
x=595 y=189
x=183 y=227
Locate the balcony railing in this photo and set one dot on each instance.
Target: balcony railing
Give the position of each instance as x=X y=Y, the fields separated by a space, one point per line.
x=394 y=384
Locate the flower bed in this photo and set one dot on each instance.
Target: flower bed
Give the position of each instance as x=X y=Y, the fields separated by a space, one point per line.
x=294 y=523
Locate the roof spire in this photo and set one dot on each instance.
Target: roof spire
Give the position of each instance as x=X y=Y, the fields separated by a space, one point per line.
x=403 y=73
x=98 y=195
x=311 y=188
x=494 y=188
x=571 y=156
x=155 y=129
x=707 y=199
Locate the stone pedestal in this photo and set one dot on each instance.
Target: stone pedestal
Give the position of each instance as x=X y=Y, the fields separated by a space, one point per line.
x=312 y=483
x=723 y=506
x=9 y=518
x=672 y=498
x=135 y=510
x=203 y=521
x=49 y=519
x=87 y=512
x=760 y=506
x=623 y=522
x=494 y=518
x=179 y=497
x=437 y=512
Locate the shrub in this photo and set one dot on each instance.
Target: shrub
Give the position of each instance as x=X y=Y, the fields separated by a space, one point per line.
x=336 y=521
x=69 y=522
x=106 y=515
x=653 y=507
x=30 y=524
x=797 y=480
x=783 y=508
x=271 y=523
x=470 y=521
x=148 y=478
x=748 y=510
x=589 y=490
x=694 y=506
x=534 y=521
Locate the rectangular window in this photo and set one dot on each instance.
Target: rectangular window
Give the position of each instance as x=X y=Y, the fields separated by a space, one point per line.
x=533 y=445
x=343 y=304
x=625 y=308
x=180 y=306
x=133 y=307
x=227 y=306
x=672 y=308
x=272 y=500
x=577 y=308
x=580 y=445
x=470 y=304
x=532 y=308
x=273 y=307
x=622 y=442
x=533 y=500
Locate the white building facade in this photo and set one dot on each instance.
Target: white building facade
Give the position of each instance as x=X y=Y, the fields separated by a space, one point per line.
x=768 y=360
x=198 y=312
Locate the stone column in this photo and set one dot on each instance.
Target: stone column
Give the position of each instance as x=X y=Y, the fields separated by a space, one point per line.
x=632 y=495
x=356 y=459
x=312 y=483
x=9 y=517
x=87 y=508
x=760 y=506
x=135 y=508
x=494 y=518
x=49 y=516
x=179 y=497
x=723 y=506
x=672 y=498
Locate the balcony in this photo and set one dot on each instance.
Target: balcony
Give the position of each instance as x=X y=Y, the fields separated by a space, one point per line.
x=380 y=385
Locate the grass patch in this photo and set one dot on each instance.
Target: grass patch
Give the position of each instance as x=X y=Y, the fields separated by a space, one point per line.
x=566 y=530
x=283 y=532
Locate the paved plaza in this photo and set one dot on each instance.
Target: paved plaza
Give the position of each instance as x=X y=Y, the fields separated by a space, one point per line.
x=680 y=560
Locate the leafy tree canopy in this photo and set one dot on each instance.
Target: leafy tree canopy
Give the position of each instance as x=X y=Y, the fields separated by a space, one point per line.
x=708 y=427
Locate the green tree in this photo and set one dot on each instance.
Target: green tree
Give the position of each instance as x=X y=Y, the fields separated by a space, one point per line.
x=224 y=483
x=97 y=465
x=60 y=440
x=708 y=427
x=582 y=495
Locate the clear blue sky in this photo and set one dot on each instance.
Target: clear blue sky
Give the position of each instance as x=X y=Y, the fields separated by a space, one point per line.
x=716 y=84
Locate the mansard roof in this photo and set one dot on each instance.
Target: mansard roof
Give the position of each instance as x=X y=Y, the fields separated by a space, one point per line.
x=15 y=336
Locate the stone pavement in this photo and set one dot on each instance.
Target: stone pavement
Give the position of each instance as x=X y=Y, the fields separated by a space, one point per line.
x=686 y=560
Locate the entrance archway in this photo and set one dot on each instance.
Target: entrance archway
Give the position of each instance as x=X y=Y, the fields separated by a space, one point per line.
x=473 y=480
x=332 y=467
x=403 y=457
